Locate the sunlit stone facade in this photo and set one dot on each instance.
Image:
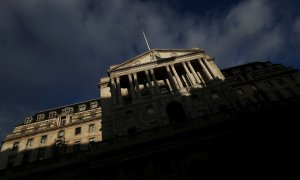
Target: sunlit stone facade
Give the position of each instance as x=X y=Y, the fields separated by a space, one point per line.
x=53 y=133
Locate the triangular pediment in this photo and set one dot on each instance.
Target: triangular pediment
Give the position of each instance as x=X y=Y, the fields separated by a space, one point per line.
x=154 y=55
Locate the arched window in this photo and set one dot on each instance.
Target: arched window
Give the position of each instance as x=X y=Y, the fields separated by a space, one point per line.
x=176 y=112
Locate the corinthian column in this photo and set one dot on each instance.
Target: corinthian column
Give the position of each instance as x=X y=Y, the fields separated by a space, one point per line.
x=172 y=81
x=209 y=68
x=119 y=90
x=154 y=80
x=131 y=87
x=207 y=73
x=113 y=90
x=149 y=81
x=188 y=73
x=137 y=86
x=193 y=72
x=176 y=76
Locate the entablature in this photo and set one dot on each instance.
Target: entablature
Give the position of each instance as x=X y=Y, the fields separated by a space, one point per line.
x=157 y=64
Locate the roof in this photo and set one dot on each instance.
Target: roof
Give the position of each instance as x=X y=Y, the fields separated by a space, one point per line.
x=57 y=109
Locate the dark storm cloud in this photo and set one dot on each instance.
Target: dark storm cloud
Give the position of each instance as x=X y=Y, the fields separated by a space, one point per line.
x=53 y=52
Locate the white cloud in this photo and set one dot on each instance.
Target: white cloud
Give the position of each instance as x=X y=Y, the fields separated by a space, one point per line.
x=71 y=28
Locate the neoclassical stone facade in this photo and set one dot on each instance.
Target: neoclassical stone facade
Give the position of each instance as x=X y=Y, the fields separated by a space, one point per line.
x=139 y=89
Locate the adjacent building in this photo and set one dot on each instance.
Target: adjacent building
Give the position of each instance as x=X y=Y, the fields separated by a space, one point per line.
x=52 y=133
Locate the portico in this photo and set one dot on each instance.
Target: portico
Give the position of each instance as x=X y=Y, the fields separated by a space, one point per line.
x=137 y=79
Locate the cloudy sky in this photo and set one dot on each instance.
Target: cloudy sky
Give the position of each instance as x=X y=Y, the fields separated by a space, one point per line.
x=53 y=52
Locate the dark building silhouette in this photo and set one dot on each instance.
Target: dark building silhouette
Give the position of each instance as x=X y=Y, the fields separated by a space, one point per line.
x=172 y=114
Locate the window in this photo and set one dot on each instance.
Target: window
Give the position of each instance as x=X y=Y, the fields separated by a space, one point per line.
x=28 y=120
x=11 y=160
x=254 y=88
x=82 y=107
x=92 y=140
x=41 y=154
x=63 y=120
x=76 y=146
x=67 y=110
x=61 y=134
x=94 y=104
x=44 y=139
x=52 y=114
x=164 y=90
x=240 y=91
x=150 y=110
x=214 y=95
x=15 y=146
x=176 y=112
x=29 y=143
x=77 y=130
x=92 y=128
x=40 y=117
